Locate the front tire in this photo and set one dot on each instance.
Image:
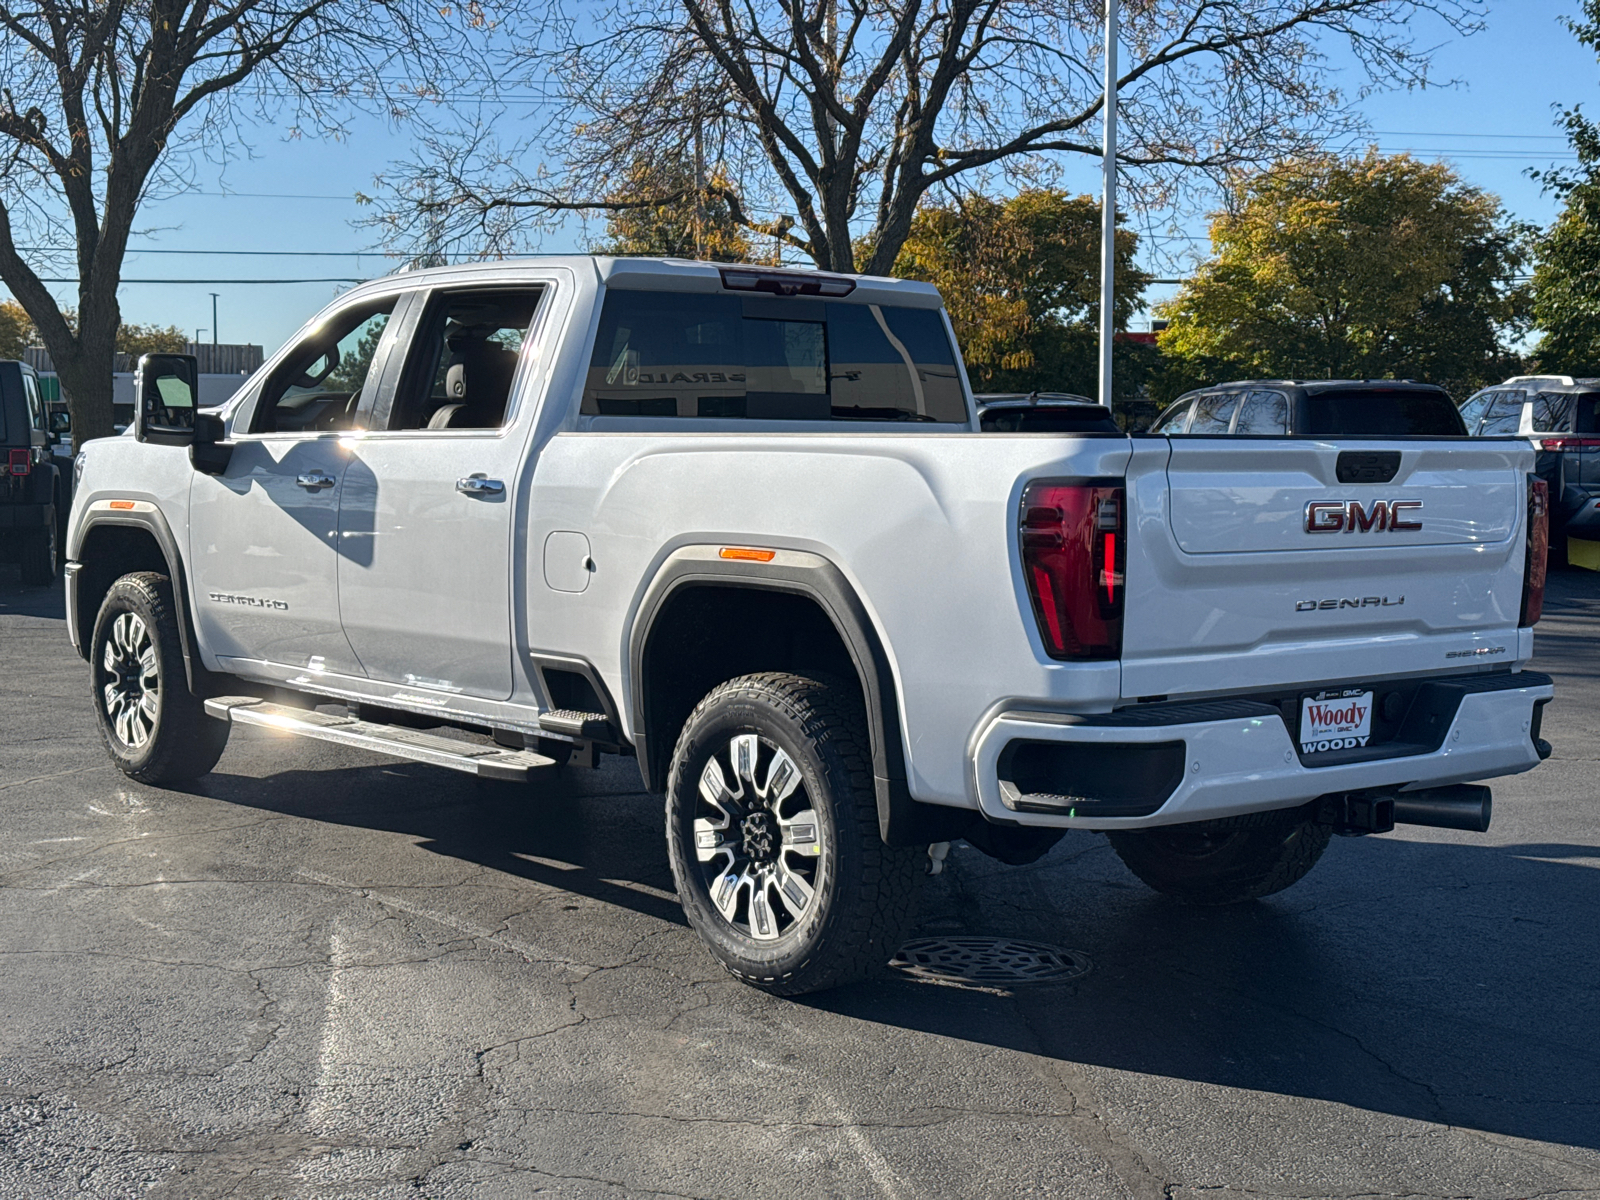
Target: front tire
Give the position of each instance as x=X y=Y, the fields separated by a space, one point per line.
x=772 y=831
x=1227 y=861
x=155 y=729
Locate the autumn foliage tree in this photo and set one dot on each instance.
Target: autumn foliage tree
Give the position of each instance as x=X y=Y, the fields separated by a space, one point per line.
x=1361 y=267
x=1021 y=281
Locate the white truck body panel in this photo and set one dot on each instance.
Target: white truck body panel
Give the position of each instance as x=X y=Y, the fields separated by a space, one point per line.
x=402 y=590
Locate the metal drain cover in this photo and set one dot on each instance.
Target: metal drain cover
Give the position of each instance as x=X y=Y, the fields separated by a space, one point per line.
x=991 y=960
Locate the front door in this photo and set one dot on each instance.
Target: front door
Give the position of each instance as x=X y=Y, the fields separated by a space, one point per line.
x=263 y=535
x=427 y=507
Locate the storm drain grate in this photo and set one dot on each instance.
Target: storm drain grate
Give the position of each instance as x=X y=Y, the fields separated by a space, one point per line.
x=988 y=960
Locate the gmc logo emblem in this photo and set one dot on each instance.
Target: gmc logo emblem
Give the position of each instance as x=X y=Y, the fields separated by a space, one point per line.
x=1348 y=516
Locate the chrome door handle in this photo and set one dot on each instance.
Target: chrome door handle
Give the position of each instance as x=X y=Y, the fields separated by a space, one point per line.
x=313 y=480
x=477 y=485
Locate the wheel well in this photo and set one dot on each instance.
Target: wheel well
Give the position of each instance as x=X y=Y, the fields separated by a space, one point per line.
x=706 y=634
x=108 y=553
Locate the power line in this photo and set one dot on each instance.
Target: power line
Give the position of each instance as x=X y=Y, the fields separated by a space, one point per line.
x=323 y=279
x=228 y=253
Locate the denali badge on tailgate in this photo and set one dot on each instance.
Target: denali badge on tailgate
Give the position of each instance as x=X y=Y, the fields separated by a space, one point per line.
x=1349 y=516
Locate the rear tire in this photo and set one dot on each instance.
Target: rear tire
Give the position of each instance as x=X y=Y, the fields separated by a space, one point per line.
x=155 y=729
x=772 y=831
x=41 y=555
x=1227 y=861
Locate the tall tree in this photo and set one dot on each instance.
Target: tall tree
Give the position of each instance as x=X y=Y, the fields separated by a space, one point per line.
x=1021 y=281
x=1330 y=267
x=16 y=330
x=108 y=102
x=1566 y=279
x=698 y=225
x=831 y=120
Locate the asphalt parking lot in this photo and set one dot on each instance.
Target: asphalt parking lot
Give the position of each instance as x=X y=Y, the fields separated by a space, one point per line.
x=321 y=974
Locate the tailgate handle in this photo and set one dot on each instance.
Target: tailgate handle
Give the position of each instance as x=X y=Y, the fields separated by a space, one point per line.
x=1367 y=466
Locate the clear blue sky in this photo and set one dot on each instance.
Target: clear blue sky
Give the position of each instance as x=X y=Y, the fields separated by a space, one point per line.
x=298 y=195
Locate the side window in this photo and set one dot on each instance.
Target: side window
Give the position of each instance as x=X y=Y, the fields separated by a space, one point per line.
x=1174 y=419
x=1588 y=414
x=318 y=387
x=30 y=388
x=1214 y=413
x=1552 y=412
x=1472 y=411
x=660 y=354
x=1504 y=416
x=1264 y=413
x=463 y=360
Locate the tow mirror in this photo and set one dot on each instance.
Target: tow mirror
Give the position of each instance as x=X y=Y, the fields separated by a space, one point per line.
x=166 y=393
x=60 y=422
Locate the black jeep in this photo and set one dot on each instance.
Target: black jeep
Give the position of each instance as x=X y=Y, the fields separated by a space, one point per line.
x=34 y=491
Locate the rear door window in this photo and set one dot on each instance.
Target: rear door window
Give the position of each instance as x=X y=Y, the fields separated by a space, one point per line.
x=1263 y=413
x=1472 y=411
x=1382 y=412
x=1503 y=417
x=664 y=354
x=1214 y=413
x=1552 y=412
x=1175 y=419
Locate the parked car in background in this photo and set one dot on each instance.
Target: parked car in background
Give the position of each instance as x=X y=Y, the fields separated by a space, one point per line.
x=1561 y=415
x=1042 y=412
x=35 y=491
x=1314 y=408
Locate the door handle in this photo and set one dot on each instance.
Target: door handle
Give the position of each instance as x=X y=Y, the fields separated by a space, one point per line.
x=477 y=485
x=314 y=480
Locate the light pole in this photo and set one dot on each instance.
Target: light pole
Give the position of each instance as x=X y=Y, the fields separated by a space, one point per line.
x=1108 y=206
x=197 y=334
x=213 y=296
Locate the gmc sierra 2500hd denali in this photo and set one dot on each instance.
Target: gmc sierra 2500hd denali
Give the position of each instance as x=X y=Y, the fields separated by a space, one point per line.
x=743 y=525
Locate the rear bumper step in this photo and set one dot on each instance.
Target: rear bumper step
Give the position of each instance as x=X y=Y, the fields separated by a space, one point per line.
x=487 y=762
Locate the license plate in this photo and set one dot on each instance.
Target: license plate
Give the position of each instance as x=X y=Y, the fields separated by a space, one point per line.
x=1335 y=720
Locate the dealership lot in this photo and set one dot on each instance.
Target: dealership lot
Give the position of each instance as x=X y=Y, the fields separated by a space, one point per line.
x=318 y=973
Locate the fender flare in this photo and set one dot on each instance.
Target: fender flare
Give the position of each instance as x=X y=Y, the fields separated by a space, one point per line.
x=902 y=821
x=154 y=523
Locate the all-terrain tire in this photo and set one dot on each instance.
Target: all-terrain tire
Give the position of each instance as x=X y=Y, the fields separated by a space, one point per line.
x=835 y=902
x=1227 y=861
x=155 y=729
x=41 y=555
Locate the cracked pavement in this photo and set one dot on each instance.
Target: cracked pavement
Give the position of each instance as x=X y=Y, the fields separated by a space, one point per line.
x=319 y=973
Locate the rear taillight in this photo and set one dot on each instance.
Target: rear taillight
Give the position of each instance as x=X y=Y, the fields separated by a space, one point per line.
x=1538 y=551
x=1569 y=443
x=1074 y=552
x=20 y=462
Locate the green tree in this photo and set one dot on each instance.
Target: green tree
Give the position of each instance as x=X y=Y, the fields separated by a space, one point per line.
x=1566 y=279
x=1364 y=267
x=683 y=228
x=150 y=339
x=1021 y=280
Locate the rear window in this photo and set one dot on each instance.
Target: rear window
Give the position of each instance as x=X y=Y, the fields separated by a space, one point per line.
x=667 y=354
x=1586 y=418
x=1503 y=417
x=1552 y=412
x=1379 y=412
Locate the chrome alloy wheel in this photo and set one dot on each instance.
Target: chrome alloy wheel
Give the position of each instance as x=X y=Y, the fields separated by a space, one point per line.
x=759 y=845
x=132 y=691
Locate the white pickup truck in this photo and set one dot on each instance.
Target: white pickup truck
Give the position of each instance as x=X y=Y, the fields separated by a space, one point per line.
x=742 y=524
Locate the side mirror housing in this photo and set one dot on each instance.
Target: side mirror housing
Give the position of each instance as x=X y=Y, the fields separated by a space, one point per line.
x=60 y=422
x=210 y=452
x=166 y=391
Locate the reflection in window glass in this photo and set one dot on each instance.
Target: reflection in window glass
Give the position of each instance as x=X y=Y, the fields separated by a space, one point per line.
x=707 y=355
x=1472 y=411
x=1213 y=413
x=1504 y=416
x=318 y=387
x=1264 y=413
x=1174 y=419
x=1552 y=412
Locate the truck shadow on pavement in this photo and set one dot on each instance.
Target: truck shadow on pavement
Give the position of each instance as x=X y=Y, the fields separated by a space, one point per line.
x=1441 y=982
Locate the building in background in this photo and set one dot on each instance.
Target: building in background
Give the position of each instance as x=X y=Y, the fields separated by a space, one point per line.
x=223 y=370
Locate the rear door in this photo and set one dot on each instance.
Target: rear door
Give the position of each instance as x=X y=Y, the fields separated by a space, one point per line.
x=1257 y=563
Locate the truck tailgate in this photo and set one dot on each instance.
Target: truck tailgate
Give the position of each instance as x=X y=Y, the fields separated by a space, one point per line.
x=1255 y=566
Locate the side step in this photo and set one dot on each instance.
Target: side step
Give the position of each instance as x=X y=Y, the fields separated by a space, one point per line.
x=487 y=762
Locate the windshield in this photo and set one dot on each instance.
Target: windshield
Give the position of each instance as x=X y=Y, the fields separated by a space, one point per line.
x=1383 y=412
